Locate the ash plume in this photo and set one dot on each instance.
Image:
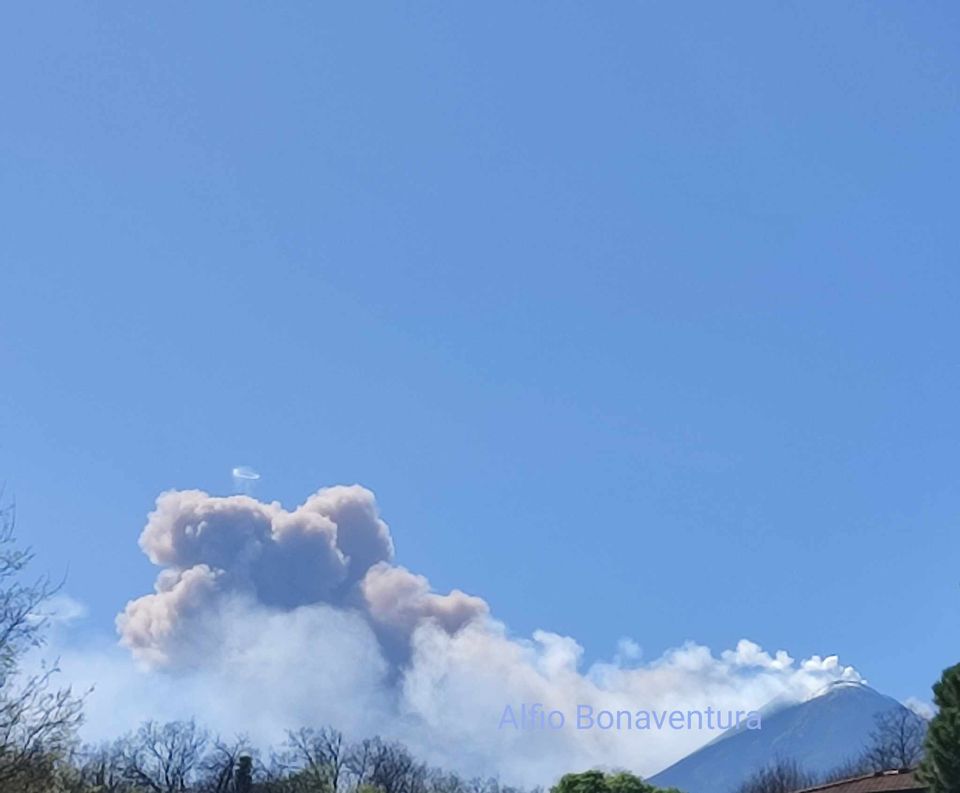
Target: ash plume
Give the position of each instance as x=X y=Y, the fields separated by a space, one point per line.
x=303 y=617
x=332 y=549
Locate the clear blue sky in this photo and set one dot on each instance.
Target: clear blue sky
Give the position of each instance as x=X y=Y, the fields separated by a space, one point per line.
x=640 y=318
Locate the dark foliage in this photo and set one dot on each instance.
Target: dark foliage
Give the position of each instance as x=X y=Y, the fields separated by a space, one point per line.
x=941 y=765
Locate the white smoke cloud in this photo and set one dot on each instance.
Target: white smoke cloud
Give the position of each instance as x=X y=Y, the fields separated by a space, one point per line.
x=922 y=707
x=265 y=619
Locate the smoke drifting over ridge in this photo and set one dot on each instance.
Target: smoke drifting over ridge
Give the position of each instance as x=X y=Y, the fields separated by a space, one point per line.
x=306 y=614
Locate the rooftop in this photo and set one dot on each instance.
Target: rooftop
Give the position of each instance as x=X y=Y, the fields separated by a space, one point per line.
x=880 y=782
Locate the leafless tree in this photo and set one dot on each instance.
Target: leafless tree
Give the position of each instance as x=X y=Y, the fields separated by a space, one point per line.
x=274 y=776
x=101 y=767
x=386 y=766
x=37 y=721
x=220 y=766
x=484 y=785
x=359 y=761
x=320 y=757
x=896 y=740
x=164 y=758
x=444 y=782
x=853 y=767
x=781 y=776
x=395 y=770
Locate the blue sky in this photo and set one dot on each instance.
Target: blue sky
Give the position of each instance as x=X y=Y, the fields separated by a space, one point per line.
x=640 y=319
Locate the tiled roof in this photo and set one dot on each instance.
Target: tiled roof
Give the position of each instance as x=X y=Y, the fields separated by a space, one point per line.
x=880 y=782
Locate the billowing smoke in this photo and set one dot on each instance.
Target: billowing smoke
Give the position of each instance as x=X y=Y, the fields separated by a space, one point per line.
x=265 y=619
x=333 y=549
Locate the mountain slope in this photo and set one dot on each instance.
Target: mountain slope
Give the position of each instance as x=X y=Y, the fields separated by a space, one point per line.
x=820 y=734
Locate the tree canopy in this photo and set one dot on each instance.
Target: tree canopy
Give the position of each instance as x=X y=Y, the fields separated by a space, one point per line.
x=940 y=768
x=599 y=782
